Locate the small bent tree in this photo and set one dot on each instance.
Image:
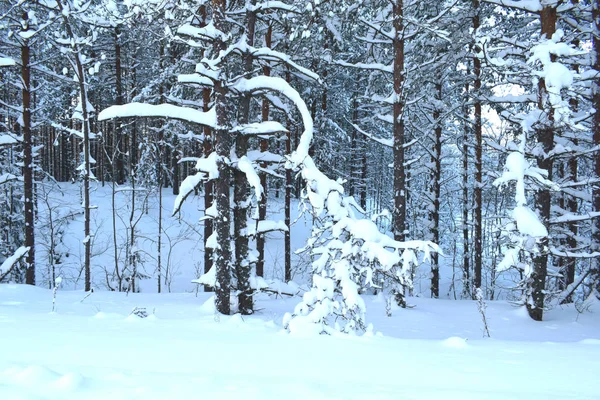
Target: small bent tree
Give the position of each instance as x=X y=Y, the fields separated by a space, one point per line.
x=350 y=250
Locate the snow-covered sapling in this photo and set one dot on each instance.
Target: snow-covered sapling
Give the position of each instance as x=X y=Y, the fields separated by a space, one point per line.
x=57 y=283
x=482 y=307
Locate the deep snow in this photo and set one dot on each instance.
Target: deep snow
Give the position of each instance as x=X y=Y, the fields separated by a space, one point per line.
x=95 y=349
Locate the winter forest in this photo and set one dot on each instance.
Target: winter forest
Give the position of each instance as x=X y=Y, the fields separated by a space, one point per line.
x=396 y=179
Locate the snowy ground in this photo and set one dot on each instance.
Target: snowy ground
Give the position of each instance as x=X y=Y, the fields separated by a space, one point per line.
x=94 y=349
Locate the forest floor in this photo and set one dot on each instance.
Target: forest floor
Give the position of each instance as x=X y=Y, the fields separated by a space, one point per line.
x=94 y=348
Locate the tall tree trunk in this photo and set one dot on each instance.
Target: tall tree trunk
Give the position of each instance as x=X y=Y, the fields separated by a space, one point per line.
x=241 y=190
x=208 y=186
x=222 y=187
x=466 y=292
x=572 y=206
x=28 y=160
x=596 y=101
x=288 y=197
x=545 y=136
x=398 y=124
x=478 y=187
x=363 y=161
x=87 y=241
x=436 y=176
x=264 y=146
x=354 y=173
x=119 y=100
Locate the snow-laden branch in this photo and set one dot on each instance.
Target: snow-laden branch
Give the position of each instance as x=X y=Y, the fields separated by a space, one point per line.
x=369 y=66
x=7 y=62
x=260 y=128
x=5 y=178
x=11 y=261
x=259 y=53
x=208 y=118
x=71 y=131
x=279 y=85
x=533 y=6
x=265 y=226
x=574 y=217
x=196 y=78
x=207 y=168
x=7 y=140
x=208 y=32
x=385 y=142
x=273 y=5
x=245 y=165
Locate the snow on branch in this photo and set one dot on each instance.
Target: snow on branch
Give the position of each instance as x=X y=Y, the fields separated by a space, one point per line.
x=533 y=6
x=260 y=128
x=369 y=66
x=208 y=32
x=5 y=178
x=268 y=54
x=7 y=140
x=195 y=79
x=385 y=142
x=264 y=156
x=569 y=217
x=264 y=226
x=11 y=261
x=279 y=85
x=71 y=131
x=272 y=5
x=207 y=168
x=7 y=62
x=208 y=118
x=245 y=165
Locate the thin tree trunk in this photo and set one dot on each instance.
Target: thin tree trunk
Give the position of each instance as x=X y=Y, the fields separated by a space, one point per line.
x=596 y=129
x=208 y=186
x=353 y=150
x=288 y=198
x=264 y=146
x=119 y=100
x=572 y=206
x=131 y=246
x=28 y=160
x=222 y=187
x=398 y=124
x=241 y=191
x=465 y=206
x=477 y=190
x=545 y=136
x=87 y=241
x=436 y=177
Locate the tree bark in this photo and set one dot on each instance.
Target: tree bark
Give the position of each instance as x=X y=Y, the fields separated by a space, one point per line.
x=288 y=199
x=477 y=190
x=264 y=146
x=436 y=176
x=241 y=190
x=398 y=124
x=596 y=130
x=223 y=147
x=545 y=136
x=466 y=292
x=117 y=140
x=209 y=185
x=28 y=160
